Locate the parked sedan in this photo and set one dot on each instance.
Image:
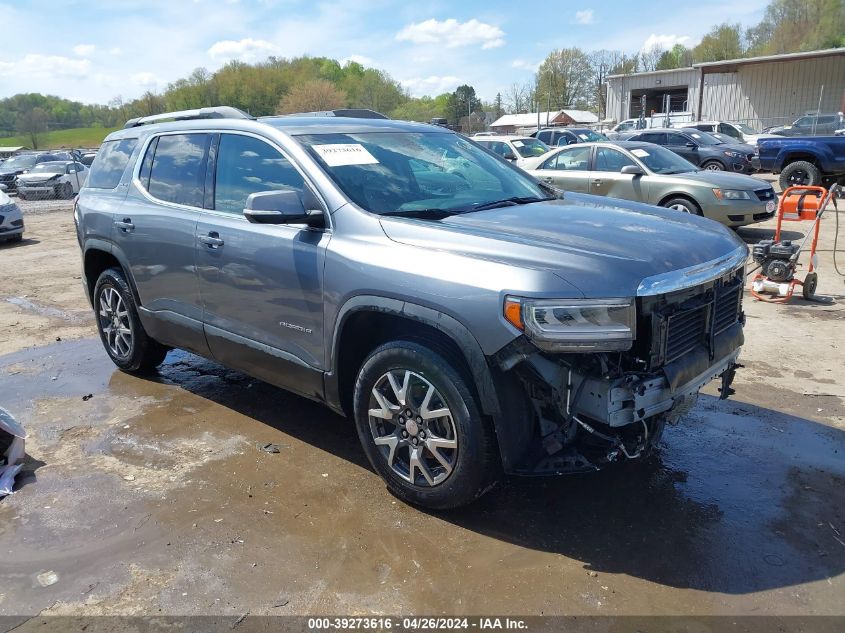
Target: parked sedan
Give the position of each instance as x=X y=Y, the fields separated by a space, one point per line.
x=11 y=220
x=701 y=148
x=61 y=179
x=516 y=149
x=648 y=173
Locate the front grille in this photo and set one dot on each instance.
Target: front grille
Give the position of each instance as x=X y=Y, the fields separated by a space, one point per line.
x=7 y=177
x=691 y=320
x=685 y=331
x=763 y=216
x=765 y=195
x=726 y=307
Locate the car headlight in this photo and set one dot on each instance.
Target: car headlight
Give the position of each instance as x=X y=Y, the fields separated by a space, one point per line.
x=574 y=325
x=731 y=194
x=732 y=154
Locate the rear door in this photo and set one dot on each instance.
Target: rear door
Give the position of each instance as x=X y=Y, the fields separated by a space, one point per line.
x=568 y=169
x=606 y=179
x=156 y=231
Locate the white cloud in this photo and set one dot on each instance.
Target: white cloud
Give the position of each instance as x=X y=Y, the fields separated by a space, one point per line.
x=115 y=51
x=663 y=42
x=523 y=64
x=46 y=66
x=358 y=59
x=452 y=33
x=584 y=17
x=246 y=49
x=84 y=50
x=145 y=80
x=432 y=85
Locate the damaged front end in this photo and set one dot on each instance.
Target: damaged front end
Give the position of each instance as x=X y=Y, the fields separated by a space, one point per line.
x=590 y=408
x=12 y=438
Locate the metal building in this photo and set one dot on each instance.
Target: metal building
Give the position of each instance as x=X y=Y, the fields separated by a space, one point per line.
x=760 y=91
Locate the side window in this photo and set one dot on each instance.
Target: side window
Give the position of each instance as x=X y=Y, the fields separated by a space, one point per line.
x=724 y=128
x=676 y=140
x=611 y=160
x=546 y=137
x=247 y=165
x=178 y=169
x=576 y=159
x=658 y=138
x=110 y=163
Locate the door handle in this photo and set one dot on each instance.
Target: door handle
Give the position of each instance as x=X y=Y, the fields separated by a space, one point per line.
x=125 y=225
x=212 y=240
x=548 y=179
x=597 y=182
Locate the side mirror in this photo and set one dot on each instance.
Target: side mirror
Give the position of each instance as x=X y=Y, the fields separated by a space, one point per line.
x=509 y=156
x=690 y=144
x=281 y=207
x=633 y=170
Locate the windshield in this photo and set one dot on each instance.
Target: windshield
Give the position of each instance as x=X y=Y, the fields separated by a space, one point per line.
x=407 y=172
x=704 y=138
x=20 y=162
x=52 y=168
x=588 y=136
x=528 y=147
x=662 y=161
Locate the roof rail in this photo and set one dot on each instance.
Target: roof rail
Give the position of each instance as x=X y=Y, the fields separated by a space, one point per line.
x=355 y=113
x=217 y=112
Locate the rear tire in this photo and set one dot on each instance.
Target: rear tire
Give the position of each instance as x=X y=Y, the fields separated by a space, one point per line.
x=684 y=205
x=123 y=337
x=435 y=461
x=799 y=174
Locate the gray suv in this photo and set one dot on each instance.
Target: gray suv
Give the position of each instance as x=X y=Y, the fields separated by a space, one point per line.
x=471 y=320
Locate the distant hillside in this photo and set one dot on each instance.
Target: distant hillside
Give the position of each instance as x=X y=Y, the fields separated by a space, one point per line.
x=77 y=137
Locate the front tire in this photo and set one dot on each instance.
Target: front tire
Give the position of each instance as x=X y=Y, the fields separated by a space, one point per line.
x=713 y=165
x=800 y=174
x=421 y=427
x=684 y=205
x=123 y=337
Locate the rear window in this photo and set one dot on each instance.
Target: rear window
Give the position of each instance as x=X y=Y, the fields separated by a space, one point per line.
x=177 y=171
x=111 y=161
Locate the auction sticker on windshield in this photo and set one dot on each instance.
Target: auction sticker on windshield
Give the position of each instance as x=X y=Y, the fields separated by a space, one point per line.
x=341 y=154
x=639 y=152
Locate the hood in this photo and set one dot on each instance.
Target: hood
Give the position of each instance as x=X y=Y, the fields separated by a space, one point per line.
x=37 y=176
x=724 y=180
x=603 y=247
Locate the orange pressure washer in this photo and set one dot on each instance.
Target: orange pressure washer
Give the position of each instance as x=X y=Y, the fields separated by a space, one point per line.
x=778 y=260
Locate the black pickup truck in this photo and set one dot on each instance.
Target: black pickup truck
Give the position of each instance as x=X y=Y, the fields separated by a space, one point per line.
x=816 y=160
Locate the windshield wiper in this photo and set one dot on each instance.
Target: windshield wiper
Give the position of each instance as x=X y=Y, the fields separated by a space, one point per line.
x=507 y=202
x=425 y=214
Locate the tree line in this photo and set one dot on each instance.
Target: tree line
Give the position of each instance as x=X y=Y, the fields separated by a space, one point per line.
x=566 y=78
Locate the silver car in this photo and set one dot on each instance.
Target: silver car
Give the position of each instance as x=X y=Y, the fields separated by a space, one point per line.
x=11 y=220
x=645 y=172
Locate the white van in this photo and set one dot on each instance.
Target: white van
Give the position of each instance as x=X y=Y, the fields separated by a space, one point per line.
x=676 y=119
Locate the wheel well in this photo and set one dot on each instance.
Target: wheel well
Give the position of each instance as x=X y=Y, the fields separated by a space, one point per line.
x=678 y=195
x=714 y=160
x=791 y=158
x=96 y=261
x=365 y=330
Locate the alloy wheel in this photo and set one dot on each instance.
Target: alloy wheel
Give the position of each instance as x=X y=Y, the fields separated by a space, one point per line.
x=115 y=323
x=413 y=428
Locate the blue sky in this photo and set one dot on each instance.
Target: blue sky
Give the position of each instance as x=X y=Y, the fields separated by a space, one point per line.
x=94 y=50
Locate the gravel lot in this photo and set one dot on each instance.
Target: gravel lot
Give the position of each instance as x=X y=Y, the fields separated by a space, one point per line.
x=151 y=496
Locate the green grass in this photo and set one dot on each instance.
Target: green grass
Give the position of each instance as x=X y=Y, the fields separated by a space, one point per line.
x=77 y=137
